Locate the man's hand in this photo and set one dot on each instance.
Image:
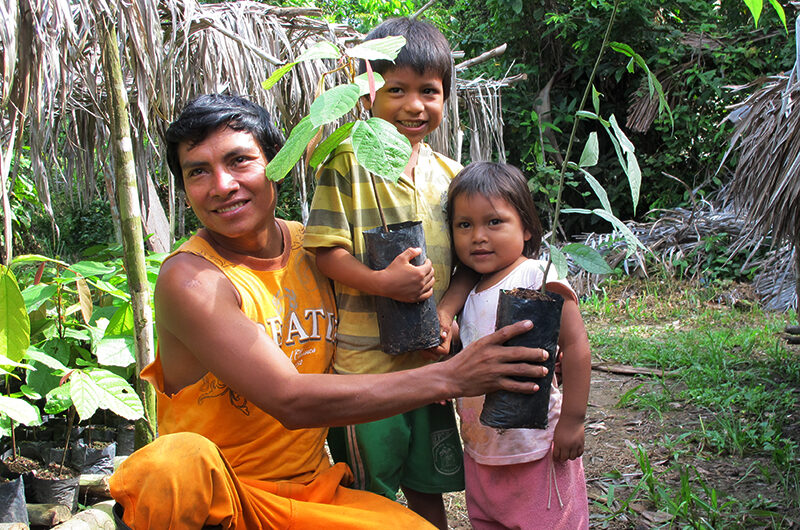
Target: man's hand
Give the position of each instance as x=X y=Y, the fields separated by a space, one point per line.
x=568 y=439
x=404 y=281
x=486 y=365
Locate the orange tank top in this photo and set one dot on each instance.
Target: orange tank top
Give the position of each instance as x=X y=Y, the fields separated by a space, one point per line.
x=291 y=299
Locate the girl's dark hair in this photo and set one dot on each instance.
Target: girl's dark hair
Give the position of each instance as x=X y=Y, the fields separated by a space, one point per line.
x=207 y=113
x=504 y=181
x=426 y=49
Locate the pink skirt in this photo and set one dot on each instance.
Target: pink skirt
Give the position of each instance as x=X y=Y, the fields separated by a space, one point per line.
x=542 y=494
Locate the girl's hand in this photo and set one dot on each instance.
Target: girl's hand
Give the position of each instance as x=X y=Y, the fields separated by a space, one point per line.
x=568 y=439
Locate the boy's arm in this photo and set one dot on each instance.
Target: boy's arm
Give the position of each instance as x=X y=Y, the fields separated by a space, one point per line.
x=198 y=309
x=401 y=280
x=576 y=368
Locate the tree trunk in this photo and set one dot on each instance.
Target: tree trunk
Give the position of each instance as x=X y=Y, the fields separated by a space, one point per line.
x=131 y=221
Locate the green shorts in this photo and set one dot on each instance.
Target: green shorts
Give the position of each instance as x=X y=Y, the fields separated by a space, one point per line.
x=420 y=450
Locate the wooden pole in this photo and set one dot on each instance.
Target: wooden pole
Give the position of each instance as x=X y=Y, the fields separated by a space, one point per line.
x=131 y=221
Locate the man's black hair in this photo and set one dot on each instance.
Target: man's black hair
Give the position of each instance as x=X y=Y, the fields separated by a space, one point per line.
x=208 y=113
x=426 y=49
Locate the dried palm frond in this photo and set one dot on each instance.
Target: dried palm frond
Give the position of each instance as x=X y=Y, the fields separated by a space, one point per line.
x=682 y=241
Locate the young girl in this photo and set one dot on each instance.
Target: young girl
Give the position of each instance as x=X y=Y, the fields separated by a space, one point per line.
x=517 y=478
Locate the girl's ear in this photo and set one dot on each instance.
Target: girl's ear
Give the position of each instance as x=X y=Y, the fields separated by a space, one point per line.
x=526 y=235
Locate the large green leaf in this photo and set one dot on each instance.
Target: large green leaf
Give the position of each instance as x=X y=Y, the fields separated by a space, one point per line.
x=320 y=50
x=33 y=258
x=15 y=326
x=591 y=151
x=587 y=258
x=559 y=262
x=333 y=104
x=58 y=399
x=330 y=143
x=115 y=351
x=380 y=148
x=20 y=411
x=276 y=75
x=634 y=174
x=117 y=395
x=92 y=268
x=36 y=295
x=35 y=354
x=363 y=83
x=598 y=189
x=385 y=49
x=292 y=150
x=121 y=323
x=85 y=394
x=755 y=7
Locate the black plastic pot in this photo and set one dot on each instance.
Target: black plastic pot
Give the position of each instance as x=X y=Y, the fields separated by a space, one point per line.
x=91 y=460
x=404 y=327
x=12 y=502
x=62 y=491
x=511 y=410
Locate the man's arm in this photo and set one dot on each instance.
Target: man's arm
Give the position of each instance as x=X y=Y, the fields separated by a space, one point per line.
x=197 y=310
x=401 y=280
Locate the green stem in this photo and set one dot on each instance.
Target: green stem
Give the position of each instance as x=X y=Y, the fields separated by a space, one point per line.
x=564 y=164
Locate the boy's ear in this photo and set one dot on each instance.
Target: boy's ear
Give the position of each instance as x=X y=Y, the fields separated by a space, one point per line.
x=366 y=102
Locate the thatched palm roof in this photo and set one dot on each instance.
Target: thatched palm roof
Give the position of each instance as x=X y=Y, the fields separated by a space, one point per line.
x=53 y=87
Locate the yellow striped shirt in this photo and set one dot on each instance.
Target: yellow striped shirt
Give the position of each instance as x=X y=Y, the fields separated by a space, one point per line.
x=344 y=207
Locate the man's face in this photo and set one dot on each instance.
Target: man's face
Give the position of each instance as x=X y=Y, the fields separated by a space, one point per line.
x=226 y=186
x=411 y=102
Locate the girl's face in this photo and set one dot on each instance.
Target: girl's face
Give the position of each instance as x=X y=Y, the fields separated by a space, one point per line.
x=488 y=236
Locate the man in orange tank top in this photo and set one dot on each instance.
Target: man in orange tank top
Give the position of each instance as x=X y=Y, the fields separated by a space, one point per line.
x=246 y=328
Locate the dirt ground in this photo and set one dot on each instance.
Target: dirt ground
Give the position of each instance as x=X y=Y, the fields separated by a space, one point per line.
x=611 y=432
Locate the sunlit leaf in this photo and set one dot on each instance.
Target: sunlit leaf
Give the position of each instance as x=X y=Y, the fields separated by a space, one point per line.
x=598 y=189
x=595 y=100
x=85 y=394
x=115 y=351
x=20 y=411
x=277 y=75
x=15 y=326
x=363 y=83
x=116 y=395
x=320 y=50
x=380 y=148
x=627 y=145
x=781 y=13
x=58 y=399
x=38 y=355
x=91 y=268
x=122 y=322
x=634 y=174
x=591 y=151
x=36 y=295
x=30 y=258
x=559 y=261
x=330 y=143
x=385 y=49
x=333 y=104
x=292 y=150
x=755 y=7
x=587 y=258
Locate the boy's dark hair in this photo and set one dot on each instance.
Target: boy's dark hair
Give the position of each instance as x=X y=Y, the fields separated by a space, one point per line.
x=426 y=49
x=493 y=179
x=207 y=113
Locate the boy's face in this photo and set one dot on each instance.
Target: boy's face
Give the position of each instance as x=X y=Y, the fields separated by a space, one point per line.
x=411 y=102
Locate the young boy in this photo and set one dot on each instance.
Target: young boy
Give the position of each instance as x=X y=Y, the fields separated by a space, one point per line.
x=419 y=451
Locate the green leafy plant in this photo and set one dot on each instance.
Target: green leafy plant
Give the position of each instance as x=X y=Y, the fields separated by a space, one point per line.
x=377 y=144
x=67 y=340
x=583 y=255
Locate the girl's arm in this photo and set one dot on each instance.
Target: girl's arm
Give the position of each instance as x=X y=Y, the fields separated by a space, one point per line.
x=453 y=300
x=576 y=369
